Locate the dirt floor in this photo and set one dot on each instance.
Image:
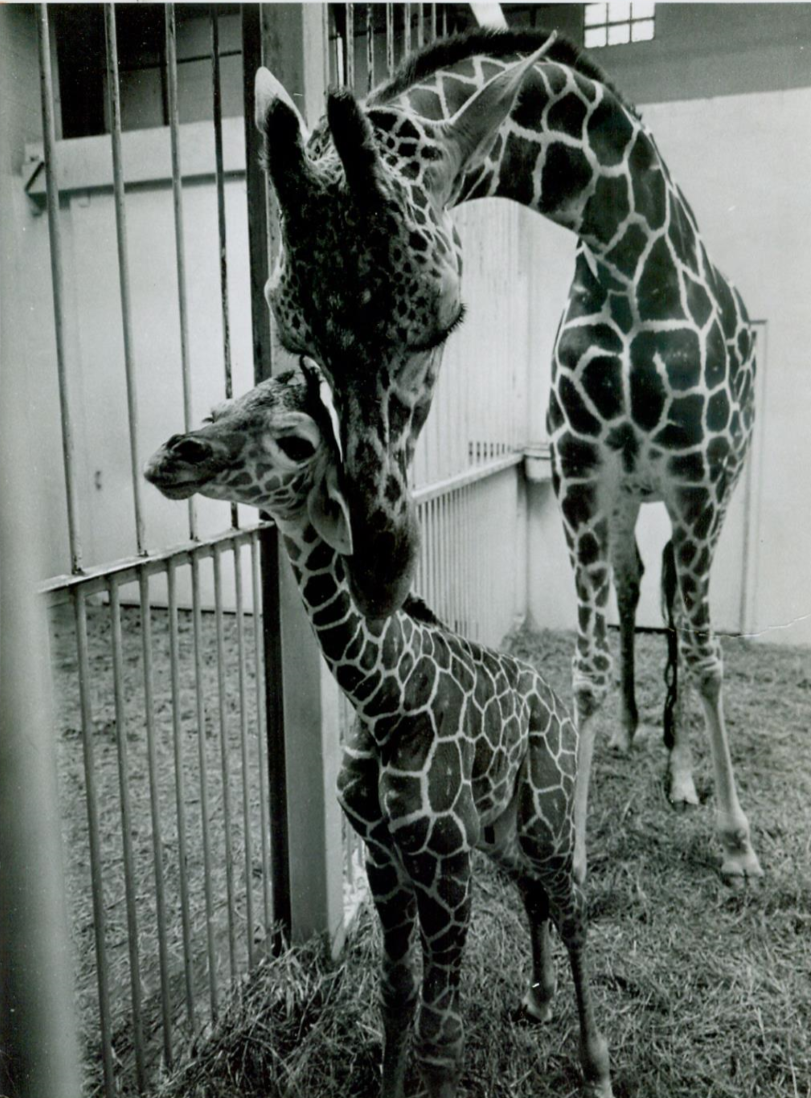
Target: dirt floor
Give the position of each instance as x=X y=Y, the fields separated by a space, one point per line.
x=701 y=991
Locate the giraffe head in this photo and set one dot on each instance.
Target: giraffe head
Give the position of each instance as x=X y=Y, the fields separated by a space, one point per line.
x=368 y=282
x=274 y=448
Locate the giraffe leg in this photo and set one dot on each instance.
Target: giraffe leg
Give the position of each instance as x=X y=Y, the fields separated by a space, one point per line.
x=572 y=924
x=442 y=888
x=537 y=1001
x=702 y=658
x=681 y=788
x=552 y=874
x=395 y=903
x=591 y=666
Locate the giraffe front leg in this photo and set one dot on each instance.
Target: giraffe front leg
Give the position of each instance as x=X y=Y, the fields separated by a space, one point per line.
x=442 y=888
x=394 y=901
x=396 y=908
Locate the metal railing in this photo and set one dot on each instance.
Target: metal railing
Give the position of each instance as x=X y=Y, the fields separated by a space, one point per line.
x=161 y=714
x=170 y=734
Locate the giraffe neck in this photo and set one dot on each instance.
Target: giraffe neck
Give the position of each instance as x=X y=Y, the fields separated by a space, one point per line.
x=572 y=151
x=364 y=655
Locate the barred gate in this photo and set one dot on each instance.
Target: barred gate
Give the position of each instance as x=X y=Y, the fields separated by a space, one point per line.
x=167 y=661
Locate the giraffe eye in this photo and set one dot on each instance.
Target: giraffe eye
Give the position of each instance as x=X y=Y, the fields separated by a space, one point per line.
x=295 y=448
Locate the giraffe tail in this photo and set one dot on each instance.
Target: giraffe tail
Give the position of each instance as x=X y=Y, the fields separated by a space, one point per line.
x=671 y=675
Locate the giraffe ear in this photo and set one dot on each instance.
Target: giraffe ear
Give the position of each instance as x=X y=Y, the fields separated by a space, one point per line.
x=266 y=91
x=470 y=133
x=329 y=512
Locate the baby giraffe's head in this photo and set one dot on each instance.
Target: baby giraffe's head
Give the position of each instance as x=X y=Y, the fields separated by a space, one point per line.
x=275 y=448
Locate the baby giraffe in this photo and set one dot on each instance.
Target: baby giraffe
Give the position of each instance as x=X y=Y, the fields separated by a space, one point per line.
x=455 y=746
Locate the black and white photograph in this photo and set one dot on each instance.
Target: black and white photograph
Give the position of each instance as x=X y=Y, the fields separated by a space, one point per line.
x=405 y=550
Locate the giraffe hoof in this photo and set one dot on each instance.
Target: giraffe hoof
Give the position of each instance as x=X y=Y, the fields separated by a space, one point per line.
x=682 y=794
x=534 y=1008
x=620 y=742
x=741 y=870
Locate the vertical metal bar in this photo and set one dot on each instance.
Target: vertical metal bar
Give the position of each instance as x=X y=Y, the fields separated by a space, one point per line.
x=350 y=45
x=420 y=27
x=224 y=763
x=243 y=745
x=444 y=20
x=180 y=793
x=256 y=31
x=370 y=47
x=433 y=22
x=91 y=799
x=407 y=28
x=58 y=282
x=221 y=226
x=389 y=38
x=154 y=804
x=180 y=247
x=259 y=664
x=197 y=619
x=114 y=95
x=126 y=824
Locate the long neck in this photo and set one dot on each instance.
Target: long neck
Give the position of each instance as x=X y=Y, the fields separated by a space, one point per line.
x=361 y=654
x=571 y=150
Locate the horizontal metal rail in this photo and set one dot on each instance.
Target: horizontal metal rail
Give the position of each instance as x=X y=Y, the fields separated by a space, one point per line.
x=130 y=569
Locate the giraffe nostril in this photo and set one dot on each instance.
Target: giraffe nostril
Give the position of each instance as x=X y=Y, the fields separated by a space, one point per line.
x=190 y=450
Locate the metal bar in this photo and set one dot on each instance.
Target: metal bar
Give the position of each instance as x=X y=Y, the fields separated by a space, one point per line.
x=225 y=766
x=257 y=31
x=350 y=45
x=370 y=47
x=433 y=22
x=180 y=793
x=114 y=95
x=58 y=283
x=221 y=226
x=259 y=664
x=468 y=476
x=201 y=758
x=126 y=839
x=389 y=38
x=129 y=569
x=180 y=248
x=154 y=805
x=444 y=20
x=94 y=841
x=243 y=745
x=407 y=28
x=420 y=27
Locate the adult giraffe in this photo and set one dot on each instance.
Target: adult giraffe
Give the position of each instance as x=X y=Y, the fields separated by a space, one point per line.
x=652 y=394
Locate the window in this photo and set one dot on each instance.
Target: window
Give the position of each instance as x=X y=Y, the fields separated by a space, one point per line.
x=615 y=24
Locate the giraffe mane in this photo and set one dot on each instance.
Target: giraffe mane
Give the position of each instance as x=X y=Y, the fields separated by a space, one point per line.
x=489 y=42
x=418 y=610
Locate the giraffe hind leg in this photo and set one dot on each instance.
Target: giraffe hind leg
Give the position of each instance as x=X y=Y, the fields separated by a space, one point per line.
x=681 y=788
x=702 y=657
